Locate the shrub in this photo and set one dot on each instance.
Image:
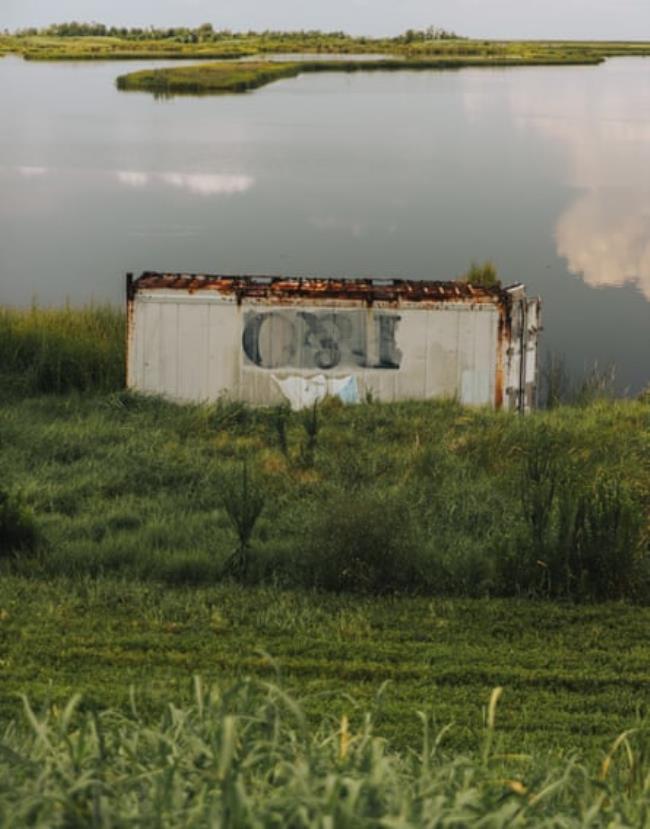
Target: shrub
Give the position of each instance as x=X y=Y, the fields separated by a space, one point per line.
x=18 y=531
x=484 y=275
x=362 y=541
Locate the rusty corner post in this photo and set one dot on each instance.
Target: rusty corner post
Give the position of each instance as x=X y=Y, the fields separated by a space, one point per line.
x=130 y=292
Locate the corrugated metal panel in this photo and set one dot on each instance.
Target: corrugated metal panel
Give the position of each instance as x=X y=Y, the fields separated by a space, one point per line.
x=201 y=338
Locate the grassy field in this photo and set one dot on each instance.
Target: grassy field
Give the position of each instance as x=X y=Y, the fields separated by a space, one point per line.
x=401 y=569
x=574 y=677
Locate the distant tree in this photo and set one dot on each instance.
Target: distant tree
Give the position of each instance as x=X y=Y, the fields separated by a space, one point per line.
x=428 y=34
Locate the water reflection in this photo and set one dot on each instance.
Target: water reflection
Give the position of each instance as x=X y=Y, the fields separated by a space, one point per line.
x=539 y=169
x=132 y=178
x=604 y=234
x=201 y=184
x=30 y=172
x=605 y=237
x=604 y=138
x=334 y=223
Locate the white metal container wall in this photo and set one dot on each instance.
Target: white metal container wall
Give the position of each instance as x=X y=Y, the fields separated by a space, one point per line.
x=189 y=346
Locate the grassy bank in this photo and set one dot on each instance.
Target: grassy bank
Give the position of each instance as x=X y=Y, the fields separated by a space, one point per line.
x=246 y=757
x=424 y=497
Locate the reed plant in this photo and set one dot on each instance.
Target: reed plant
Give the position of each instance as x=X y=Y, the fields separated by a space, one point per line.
x=246 y=756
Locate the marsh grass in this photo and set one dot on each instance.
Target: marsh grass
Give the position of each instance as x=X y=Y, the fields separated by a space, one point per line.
x=207 y=78
x=233 y=77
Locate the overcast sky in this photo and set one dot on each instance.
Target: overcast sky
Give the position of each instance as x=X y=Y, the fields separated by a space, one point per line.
x=620 y=19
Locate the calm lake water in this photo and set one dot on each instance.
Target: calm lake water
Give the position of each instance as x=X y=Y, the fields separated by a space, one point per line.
x=546 y=171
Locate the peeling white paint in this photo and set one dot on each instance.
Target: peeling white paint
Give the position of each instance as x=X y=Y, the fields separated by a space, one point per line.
x=202 y=345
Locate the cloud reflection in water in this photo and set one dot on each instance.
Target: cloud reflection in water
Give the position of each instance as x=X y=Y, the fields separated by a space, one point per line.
x=607 y=242
x=604 y=235
x=31 y=172
x=202 y=184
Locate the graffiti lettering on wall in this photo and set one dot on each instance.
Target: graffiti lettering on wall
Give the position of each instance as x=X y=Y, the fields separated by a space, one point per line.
x=321 y=339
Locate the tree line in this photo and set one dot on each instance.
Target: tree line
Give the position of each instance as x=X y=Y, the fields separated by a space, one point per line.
x=206 y=32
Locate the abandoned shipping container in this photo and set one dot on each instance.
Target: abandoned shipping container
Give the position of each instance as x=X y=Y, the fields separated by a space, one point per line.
x=266 y=340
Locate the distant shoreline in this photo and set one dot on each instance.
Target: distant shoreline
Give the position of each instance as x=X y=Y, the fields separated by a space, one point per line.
x=42 y=47
x=230 y=75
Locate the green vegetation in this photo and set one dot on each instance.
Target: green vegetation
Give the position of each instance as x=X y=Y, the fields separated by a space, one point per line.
x=247 y=757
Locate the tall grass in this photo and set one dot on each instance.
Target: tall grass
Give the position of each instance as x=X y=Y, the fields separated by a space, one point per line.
x=59 y=350
x=419 y=497
x=247 y=757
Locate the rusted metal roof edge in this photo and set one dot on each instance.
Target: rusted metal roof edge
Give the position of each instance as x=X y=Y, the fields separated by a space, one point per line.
x=281 y=288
